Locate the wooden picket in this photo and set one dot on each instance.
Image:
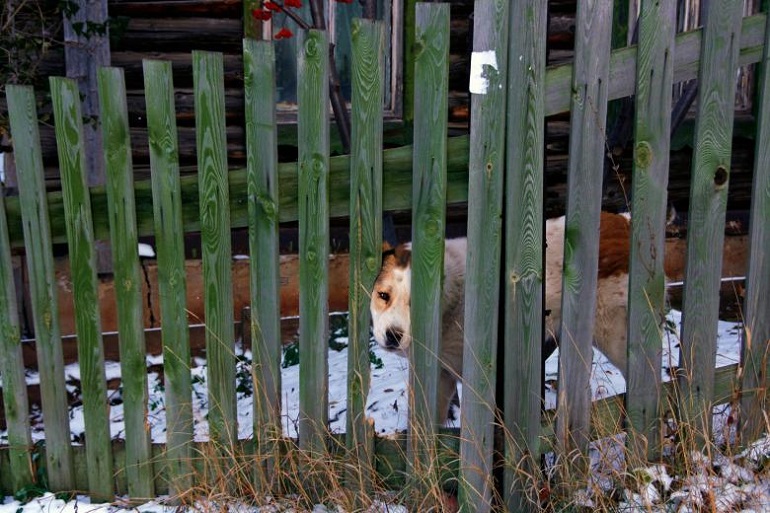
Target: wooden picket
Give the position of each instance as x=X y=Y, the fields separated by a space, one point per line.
x=485 y=203
x=124 y=240
x=169 y=243
x=65 y=97
x=708 y=204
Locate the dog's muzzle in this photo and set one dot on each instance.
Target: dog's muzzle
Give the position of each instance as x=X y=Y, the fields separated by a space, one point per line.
x=393 y=339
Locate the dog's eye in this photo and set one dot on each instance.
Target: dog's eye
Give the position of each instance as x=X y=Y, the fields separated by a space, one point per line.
x=384 y=296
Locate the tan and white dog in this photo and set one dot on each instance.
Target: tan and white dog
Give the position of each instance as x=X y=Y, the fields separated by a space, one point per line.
x=391 y=298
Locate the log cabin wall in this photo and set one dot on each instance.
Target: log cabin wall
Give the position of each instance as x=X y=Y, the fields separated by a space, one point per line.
x=170 y=29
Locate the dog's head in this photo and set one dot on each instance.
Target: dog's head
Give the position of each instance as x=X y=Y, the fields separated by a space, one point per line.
x=391 y=298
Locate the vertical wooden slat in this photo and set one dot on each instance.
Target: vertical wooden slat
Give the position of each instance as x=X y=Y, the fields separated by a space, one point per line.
x=708 y=203
x=262 y=185
x=428 y=219
x=365 y=238
x=482 y=284
x=524 y=251
x=756 y=334
x=216 y=253
x=80 y=238
x=45 y=305
x=581 y=244
x=12 y=367
x=313 y=140
x=128 y=276
x=646 y=308
x=169 y=242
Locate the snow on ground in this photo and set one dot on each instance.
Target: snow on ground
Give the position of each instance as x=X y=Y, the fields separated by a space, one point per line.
x=387 y=406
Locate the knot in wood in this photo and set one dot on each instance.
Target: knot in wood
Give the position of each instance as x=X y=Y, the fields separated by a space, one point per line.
x=720 y=177
x=371 y=264
x=310 y=256
x=643 y=155
x=311 y=46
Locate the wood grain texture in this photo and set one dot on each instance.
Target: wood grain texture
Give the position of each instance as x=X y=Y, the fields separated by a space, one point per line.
x=708 y=203
x=756 y=336
x=264 y=265
x=482 y=283
x=429 y=191
x=128 y=276
x=581 y=245
x=524 y=249
x=37 y=241
x=313 y=197
x=646 y=309
x=77 y=212
x=169 y=246
x=216 y=253
x=15 y=400
x=368 y=91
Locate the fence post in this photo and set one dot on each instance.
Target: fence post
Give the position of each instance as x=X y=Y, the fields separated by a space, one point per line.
x=708 y=203
x=42 y=279
x=581 y=244
x=264 y=265
x=80 y=237
x=756 y=326
x=127 y=273
x=524 y=252
x=313 y=140
x=489 y=62
x=216 y=253
x=646 y=303
x=169 y=243
x=368 y=93
x=12 y=368
x=428 y=220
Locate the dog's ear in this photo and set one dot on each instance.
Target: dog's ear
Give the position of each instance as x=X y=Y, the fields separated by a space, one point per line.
x=387 y=248
x=403 y=255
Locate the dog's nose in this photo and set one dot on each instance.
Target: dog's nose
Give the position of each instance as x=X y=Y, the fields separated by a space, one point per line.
x=393 y=339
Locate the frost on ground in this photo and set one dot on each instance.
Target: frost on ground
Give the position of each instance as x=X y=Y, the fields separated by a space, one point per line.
x=724 y=484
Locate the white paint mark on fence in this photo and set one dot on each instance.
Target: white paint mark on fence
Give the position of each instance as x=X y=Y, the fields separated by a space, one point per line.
x=479 y=81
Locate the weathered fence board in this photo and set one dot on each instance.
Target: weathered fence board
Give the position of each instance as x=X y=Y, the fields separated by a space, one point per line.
x=216 y=253
x=77 y=211
x=524 y=251
x=756 y=335
x=264 y=266
x=646 y=309
x=428 y=214
x=169 y=244
x=313 y=197
x=482 y=282
x=708 y=203
x=12 y=367
x=581 y=232
x=127 y=272
x=368 y=91
x=37 y=241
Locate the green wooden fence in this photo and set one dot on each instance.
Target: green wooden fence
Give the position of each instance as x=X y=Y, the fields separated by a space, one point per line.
x=498 y=171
